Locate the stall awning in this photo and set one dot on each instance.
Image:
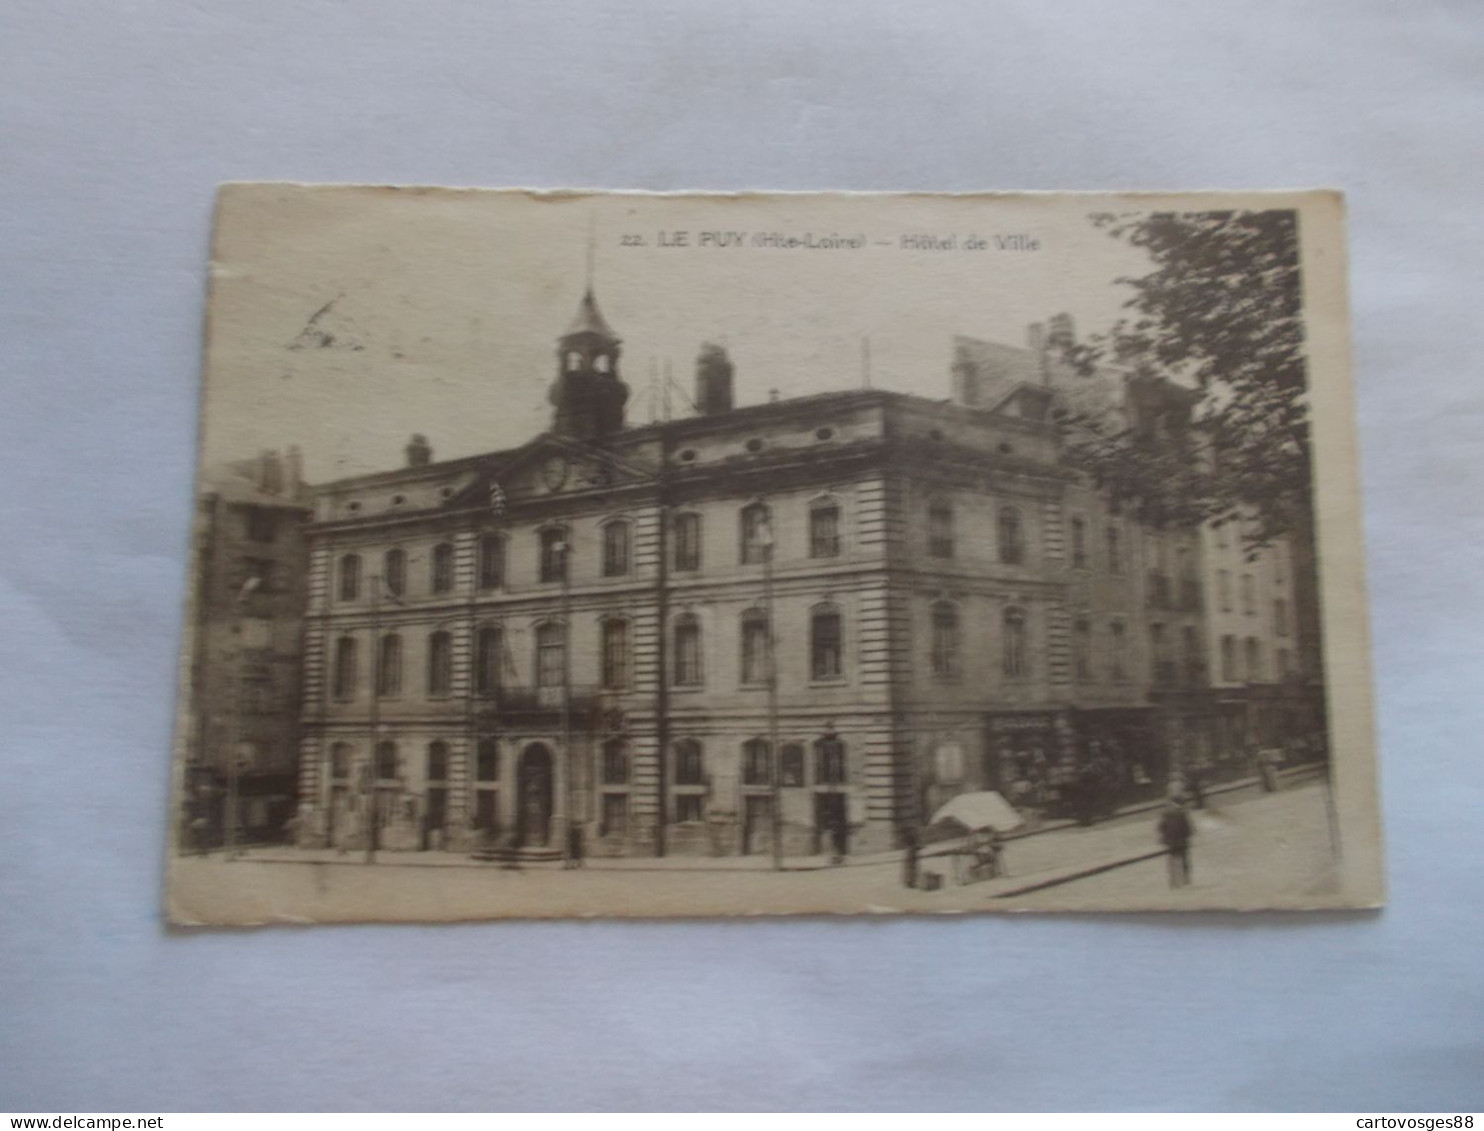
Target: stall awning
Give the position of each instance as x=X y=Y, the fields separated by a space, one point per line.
x=986 y=810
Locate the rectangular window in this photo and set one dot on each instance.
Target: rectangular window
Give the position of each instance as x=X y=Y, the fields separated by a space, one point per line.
x=1280 y=617
x=824 y=532
x=615 y=549
x=687 y=543
x=1082 y=649
x=442 y=579
x=1118 y=644
x=757 y=534
x=389 y=667
x=1249 y=595
x=1229 y=658
x=551 y=655
x=945 y=642
x=1115 y=550
x=488 y=659
x=940 y=530
x=1224 y=589
x=615 y=654
x=755 y=651
x=491 y=562
x=553 y=554
x=688 y=653
x=440 y=663
x=1079 y=544
x=826 y=646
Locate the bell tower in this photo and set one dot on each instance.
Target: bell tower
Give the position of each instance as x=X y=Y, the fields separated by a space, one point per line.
x=588 y=394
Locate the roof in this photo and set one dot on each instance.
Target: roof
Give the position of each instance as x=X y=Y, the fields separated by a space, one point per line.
x=590 y=320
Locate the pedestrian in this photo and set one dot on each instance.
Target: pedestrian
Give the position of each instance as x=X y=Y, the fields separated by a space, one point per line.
x=574 y=846
x=911 y=848
x=1175 y=831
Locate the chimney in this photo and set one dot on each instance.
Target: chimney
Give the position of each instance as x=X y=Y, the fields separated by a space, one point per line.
x=714 y=371
x=419 y=452
x=1060 y=331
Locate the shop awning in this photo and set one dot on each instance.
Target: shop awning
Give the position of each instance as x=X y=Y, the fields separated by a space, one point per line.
x=975 y=811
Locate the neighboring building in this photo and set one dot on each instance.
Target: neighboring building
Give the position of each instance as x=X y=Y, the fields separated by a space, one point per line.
x=577 y=631
x=245 y=673
x=1222 y=632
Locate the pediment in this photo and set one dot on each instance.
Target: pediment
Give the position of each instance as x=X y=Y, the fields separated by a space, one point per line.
x=551 y=466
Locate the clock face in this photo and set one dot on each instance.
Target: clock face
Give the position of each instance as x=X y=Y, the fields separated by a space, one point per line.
x=554 y=473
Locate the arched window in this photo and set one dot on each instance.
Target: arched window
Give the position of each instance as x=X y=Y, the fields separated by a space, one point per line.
x=1011 y=536
x=551 y=654
x=345 y=668
x=615 y=653
x=829 y=761
x=615 y=762
x=442 y=579
x=394 y=572
x=688 y=672
x=554 y=553
x=690 y=767
x=616 y=539
x=826 y=642
x=687 y=543
x=1079 y=543
x=386 y=760
x=756 y=762
x=389 y=665
x=491 y=561
x=489 y=652
x=437 y=761
x=440 y=663
x=1082 y=649
x=791 y=765
x=340 y=757
x=824 y=529
x=1016 y=660
x=945 y=640
x=756 y=533
x=487 y=760
x=940 y=528
x=350 y=577
x=755 y=646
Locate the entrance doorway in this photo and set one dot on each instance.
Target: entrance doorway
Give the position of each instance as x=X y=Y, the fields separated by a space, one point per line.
x=757 y=824
x=831 y=829
x=534 y=785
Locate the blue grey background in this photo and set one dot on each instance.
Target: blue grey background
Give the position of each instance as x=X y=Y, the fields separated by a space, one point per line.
x=116 y=123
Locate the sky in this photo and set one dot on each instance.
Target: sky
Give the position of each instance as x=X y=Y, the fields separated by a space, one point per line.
x=344 y=320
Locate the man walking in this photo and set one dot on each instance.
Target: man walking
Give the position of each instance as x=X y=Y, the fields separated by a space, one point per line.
x=1175 y=831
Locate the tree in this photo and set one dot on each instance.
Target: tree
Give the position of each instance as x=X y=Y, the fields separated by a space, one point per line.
x=1221 y=313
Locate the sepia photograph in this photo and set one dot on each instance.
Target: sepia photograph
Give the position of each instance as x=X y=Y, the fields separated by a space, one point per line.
x=668 y=555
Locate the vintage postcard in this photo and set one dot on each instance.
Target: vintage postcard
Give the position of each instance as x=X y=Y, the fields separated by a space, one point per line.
x=623 y=554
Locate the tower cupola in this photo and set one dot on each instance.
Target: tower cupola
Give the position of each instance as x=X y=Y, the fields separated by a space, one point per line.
x=588 y=394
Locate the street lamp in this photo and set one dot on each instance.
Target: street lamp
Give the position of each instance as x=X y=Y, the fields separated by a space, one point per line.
x=249 y=587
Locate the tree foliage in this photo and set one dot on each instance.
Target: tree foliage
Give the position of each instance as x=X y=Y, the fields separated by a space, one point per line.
x=1220 y=313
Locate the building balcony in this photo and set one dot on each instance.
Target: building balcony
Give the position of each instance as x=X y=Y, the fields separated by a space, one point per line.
x=537 y=704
